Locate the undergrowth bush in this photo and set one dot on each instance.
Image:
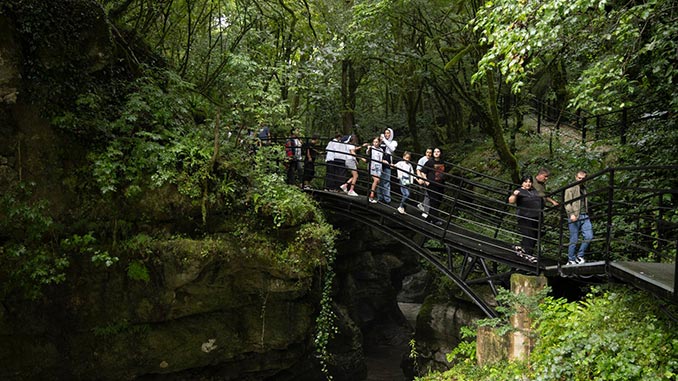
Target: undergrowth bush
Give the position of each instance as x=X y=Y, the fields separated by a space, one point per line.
x=615 y=333
x=611 y=335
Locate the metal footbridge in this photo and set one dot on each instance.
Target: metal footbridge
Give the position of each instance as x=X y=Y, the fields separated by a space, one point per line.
x=470 y=237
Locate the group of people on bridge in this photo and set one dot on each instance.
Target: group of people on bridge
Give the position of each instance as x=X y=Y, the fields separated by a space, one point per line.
x=342 y=176
x=530 y=199
x=342 y=157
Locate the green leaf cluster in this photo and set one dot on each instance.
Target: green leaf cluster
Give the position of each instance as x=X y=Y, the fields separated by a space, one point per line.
x=613 y=334
x=29 y=256
x=616 y=53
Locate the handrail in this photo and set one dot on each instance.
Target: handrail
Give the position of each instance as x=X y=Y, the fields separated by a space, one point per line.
x=633 y=210
x=615 y=121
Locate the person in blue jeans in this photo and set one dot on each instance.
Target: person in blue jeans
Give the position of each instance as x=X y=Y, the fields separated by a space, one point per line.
x=405 y=175
x=388 y=145
x=579 y=222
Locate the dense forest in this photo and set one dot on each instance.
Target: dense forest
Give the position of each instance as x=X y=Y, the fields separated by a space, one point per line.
x=151 y=107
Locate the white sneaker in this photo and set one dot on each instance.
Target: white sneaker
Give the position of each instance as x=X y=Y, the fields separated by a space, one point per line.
x=401 y=210
x=581 y=260
x=570 y=263
x=352 y=193
x=372 y=201
x=420 y=206
x=424 y=215
x=344 y=187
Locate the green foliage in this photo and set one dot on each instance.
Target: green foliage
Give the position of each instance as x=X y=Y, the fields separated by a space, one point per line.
x=466 y=349
x=508 y=304
x=28 y=261
x=46 y=31
x=28 y=270
x=414 y=354
x=24 y=218
x=465 y=366
x=307 y=251
x=616 y=52
x=286 y=205
x=326 y=328
x=84 y=245
x=156 y=138
x=138 y=271
x=614 y=334
x=271 y=197
x=104 y=258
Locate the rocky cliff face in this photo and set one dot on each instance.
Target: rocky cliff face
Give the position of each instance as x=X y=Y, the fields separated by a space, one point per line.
x=370 y=269
x=234 y=316
x=209 y=305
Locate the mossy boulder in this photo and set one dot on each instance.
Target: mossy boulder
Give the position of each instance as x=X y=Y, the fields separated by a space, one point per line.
x=202 y=307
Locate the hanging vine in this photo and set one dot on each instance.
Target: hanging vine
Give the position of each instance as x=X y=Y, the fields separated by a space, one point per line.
x=325 y=327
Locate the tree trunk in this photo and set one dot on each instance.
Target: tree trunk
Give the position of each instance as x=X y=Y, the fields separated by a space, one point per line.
x=412 y=102
x=494 y=129
x=349 y=85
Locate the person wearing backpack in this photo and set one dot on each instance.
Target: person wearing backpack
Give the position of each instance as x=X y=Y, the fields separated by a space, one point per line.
x=294 y=159
x=310 y=153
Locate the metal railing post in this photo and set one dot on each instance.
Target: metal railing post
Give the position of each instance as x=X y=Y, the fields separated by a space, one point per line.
x=450 y=261
x=561 y=224
x=660 y=225
x=610 y=205
x=449 y=217
x=540 y=225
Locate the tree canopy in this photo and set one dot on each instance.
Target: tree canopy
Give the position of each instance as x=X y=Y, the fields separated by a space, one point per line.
x=433 y=70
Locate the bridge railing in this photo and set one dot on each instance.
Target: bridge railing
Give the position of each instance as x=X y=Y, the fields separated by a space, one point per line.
x=470 y=199
x=632 y=209
x=623 y=123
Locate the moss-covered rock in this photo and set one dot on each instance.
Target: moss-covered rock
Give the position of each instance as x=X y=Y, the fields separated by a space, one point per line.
x=205 y=305
x=438 y=330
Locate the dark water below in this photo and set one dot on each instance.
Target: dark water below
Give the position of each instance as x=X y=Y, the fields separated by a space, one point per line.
x=383 y=361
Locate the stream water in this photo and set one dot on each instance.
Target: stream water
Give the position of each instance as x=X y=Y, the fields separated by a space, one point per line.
x=383 y=361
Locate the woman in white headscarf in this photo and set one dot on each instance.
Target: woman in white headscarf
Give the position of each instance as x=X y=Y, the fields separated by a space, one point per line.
x=388 y=145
